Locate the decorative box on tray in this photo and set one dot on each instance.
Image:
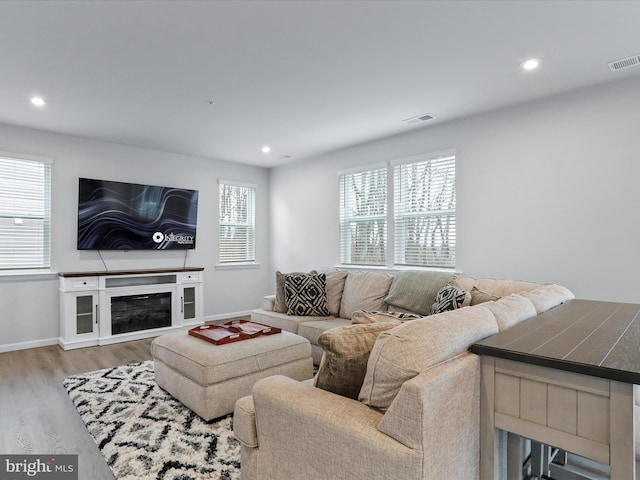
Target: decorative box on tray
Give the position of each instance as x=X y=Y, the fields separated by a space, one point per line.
x=234 y=331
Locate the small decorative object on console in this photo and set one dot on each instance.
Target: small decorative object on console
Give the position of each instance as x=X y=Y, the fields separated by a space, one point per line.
x=233 y=331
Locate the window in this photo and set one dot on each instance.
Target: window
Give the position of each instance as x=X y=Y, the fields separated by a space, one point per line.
x=413 y=215
x=425 y=212
x=363 y=217
x=237 y=222
x=25 y=219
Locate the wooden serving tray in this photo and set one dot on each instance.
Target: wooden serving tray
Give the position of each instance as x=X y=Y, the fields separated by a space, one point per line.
x=234 y=331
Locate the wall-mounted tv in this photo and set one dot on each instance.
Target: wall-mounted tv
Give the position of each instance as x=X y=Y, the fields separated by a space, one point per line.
x=128 y=216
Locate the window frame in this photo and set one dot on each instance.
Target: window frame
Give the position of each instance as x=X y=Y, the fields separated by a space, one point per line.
x=447 y=161
x=347 y=221
x=392 y=221
x=43 y=245
x=250 y=225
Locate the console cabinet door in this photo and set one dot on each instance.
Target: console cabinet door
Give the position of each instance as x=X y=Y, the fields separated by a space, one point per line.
x=81 y=317
x=190 y=304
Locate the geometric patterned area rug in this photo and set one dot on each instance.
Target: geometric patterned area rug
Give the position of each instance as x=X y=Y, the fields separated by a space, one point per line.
x=144 y=433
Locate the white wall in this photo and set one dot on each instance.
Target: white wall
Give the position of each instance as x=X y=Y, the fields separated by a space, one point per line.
x=546 y=191
x=30 y=306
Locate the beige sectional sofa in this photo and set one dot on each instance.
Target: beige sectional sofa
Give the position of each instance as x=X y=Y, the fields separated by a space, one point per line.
x=416 y=413
x=349 y=292
x=352 y=291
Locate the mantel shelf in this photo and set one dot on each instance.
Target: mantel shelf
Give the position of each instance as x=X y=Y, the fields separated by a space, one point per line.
x=130 y=272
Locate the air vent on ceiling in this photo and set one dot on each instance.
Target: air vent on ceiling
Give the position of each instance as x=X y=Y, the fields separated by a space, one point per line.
x=418 y=119
x=632 y=61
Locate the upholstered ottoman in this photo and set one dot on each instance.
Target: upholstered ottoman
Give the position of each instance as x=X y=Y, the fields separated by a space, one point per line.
x=210 y=378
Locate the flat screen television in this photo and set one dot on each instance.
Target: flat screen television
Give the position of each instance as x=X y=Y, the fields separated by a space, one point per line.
x=128 y=216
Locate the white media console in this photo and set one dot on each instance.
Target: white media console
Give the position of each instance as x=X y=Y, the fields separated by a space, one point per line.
x=99 y=308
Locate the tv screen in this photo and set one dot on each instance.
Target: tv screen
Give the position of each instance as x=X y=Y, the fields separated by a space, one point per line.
x=128 y=216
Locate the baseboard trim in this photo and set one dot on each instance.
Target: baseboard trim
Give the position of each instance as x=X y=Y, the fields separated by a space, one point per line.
x=227 y=316
x=46 y=342
x=12 y=347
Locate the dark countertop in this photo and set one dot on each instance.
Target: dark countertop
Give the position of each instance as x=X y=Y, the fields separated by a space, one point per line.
x=594 y=338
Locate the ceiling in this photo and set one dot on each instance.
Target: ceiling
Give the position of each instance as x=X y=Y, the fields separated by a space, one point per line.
x=220 y=79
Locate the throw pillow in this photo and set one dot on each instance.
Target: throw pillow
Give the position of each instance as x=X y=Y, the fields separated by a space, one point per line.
x=344 y=360
x=413 y=347
x=306 y=294
x=280 y=305
x=478 y=296
x=416 y=290
x=362 y=316
x=450 y=298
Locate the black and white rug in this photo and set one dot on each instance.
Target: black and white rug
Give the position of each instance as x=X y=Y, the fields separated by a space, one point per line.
x=144 y=433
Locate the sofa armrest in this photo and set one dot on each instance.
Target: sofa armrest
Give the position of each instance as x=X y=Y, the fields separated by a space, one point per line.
x=244 y=422
x=332 y=436
x=268 y=303
x=439 y=412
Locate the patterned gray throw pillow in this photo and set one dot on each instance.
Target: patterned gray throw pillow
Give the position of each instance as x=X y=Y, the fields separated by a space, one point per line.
x=306 y=294
x=448 y=298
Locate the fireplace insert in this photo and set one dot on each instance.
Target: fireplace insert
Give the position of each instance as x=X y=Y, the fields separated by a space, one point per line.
x=131 y=313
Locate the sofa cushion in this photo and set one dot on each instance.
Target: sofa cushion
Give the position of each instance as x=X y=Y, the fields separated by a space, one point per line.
x=335 y=287
x=306 y=294
x=416 y=290
x=548 y=296
x=478 y=296
x=289 y=323
x=364 y=291
x=363 y=316
x=448 y=298
x=511 y=310
x=344 y=361
x=312 y=329
x=405 y=351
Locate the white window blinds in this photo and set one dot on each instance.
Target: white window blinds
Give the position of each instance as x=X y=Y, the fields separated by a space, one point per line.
x=237 y=222
x=425 y=213
x=363 y=217
x=400 y=214
x=25 y=219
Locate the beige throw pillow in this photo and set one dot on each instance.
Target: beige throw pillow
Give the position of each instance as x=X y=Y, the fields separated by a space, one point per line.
x=478 y=296
x=344 y=361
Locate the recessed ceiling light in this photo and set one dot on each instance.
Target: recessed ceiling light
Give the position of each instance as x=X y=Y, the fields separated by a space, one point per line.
x=531 y=64
x=266 y=149
x=38 y=102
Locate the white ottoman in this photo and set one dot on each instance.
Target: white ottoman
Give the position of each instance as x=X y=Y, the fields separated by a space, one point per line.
x=210 y=378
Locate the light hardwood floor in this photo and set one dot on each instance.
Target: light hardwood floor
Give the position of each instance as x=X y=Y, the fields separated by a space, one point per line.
x=36 y=414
